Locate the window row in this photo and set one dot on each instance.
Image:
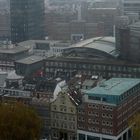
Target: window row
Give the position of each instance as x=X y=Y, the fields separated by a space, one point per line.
x=95 y=67
x=95 y=129
x=63 y=125
x=94 y=106
x=63 y=117
x=107 y=123
x=93 y=113
x=93 y=121
x=107 y=131
x=104 y=115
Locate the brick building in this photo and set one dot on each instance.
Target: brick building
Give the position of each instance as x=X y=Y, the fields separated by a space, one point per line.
x=107 y=108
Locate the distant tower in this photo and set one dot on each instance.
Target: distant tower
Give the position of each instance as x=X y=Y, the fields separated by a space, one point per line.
x=27 y=19
x=122 y=34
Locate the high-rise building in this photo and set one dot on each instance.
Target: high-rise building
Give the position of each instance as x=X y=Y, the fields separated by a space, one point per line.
x=27 y=19
x=131 y=6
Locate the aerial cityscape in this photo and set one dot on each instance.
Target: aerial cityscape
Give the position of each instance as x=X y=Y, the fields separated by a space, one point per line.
x=69 y=69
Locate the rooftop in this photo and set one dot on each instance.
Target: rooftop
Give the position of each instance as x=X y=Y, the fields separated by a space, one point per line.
x=51 y=42
x=33 y=42
x=13 y=76
x=89 y=82
x=30 y=60
x=12 y=49
x=102 y=44
x=114 y=86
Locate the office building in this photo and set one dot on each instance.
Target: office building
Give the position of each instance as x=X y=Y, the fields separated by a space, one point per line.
x=27 y=19
x=107 y=108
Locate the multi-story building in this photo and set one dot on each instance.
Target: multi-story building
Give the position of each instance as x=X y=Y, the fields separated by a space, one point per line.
x=60 y=66
x=13 y=96
x=106 y=16
x=75 y=30
x=85 y=19
x=9 y=54
x=96 y=56
x=64 y=117
x=106 y=110
x=27 y=19
x=30 y=66
x=46 y=48
x=127 y=40
x=131 y=6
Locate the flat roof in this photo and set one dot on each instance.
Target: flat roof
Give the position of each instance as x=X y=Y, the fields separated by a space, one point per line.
x=88 y=82
x=113 y=87
x=30 y=60
x=12 y=49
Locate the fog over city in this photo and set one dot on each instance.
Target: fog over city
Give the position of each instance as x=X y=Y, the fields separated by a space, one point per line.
x=69 y=69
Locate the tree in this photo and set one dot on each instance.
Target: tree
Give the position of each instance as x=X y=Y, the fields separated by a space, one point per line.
x=135 y=122
x=19 y=122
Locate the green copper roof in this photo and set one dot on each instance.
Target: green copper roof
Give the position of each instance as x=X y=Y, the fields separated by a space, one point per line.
x=112 y=90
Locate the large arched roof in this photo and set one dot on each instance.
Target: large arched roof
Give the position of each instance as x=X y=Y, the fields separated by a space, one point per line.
x=104 y=46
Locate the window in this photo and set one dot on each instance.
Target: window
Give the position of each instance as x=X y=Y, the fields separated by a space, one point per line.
x=73 y=118
x=89 y=121
x=57 y=124
x=89 y=105
x=65 y=118
x=55 y=134
x=79 y=118
x=107 y=115
x=71 y=109
x=54 y=107
x=65 y=126
x=103 y=115
x=83 y=119
x=107 y=108
x=89 y=112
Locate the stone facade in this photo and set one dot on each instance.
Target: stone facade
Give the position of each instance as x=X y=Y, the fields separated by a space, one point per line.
x=63 y=118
